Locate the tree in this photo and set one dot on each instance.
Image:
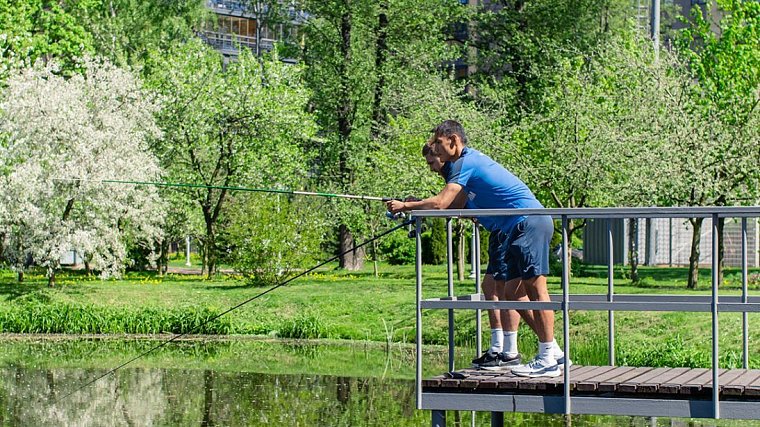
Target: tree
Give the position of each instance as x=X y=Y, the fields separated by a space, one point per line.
x=63 y=137
x=726 y=67
x=361 y=55
x=126 y=31
x=40 y=29
x=243 y=124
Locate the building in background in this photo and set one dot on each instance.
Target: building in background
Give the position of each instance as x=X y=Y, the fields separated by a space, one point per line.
x=663 y=241
x=254 y=25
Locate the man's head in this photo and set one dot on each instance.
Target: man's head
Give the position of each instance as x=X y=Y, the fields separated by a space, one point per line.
x=434 y=162
x=448 y=140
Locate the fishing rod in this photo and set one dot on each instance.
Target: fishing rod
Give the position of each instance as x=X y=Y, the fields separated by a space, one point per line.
x=233 y=188
x=259 y=295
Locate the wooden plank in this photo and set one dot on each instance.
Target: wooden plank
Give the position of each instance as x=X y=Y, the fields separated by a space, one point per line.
x=653 y=385
x=545 y=383
x=591 y=384
x=611 y=384
x=753 y=389
x=576 y=376
x=725 y=378
x=631 y=385
x=450 y=383
x=736 y=387
x=509 y=381
x=695 y=385
x=673 y=386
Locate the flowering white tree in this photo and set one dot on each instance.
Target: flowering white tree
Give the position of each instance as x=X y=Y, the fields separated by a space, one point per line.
x=59 y=139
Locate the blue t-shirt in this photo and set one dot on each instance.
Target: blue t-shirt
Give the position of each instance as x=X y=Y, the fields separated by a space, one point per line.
x=490 y=186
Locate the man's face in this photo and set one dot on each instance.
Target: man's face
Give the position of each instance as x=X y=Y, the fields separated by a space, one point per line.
x=434 y=162
x=444 y=147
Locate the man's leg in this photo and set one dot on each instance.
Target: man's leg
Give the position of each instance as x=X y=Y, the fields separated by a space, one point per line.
x=510 y=322
x=491 y=292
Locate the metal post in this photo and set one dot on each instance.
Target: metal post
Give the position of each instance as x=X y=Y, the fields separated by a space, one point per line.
x=478 y=320
x=418 y=279
x=655 y=27
x=473 y=270
x=745 y=321
x=450 y=274
x=439 y=418
x=497 y=419
x=610 y=294
x=715 y=364
x=670 y=242
x=565 y=309
x=187 y=251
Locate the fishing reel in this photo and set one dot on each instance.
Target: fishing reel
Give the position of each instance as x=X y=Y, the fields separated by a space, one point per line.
x=402 y=216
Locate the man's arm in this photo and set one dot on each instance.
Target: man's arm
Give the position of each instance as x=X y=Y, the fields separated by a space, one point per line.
x=450 y=197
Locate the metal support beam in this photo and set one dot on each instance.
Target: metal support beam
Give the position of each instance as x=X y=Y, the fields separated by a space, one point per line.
x=715 y=354
x=439 y=419
x=497 y=419
x=450 y=282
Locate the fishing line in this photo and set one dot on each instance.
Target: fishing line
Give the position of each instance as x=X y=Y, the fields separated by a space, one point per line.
x=259 y=295
x=222 y=187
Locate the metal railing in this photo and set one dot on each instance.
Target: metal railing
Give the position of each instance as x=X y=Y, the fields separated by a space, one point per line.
x=233 y=42
x=610 y=302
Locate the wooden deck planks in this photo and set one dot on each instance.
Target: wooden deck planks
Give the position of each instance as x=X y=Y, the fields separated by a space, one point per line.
x=606 y=379
x=649 y=380
x=737 y=385
x=592 y=384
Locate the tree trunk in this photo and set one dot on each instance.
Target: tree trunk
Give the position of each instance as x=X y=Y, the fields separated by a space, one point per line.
x=381 y=48
x=210 y=243
x=51 y=279
x=21 y=276
x=633 y=248
x=696 y=237
x=352 y=260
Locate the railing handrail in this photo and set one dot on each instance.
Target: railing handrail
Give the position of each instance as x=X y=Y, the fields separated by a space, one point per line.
x=714 y=304
x=590 y=213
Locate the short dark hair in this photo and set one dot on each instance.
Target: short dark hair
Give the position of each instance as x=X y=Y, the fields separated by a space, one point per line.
x=425 y=149
x=448 y=128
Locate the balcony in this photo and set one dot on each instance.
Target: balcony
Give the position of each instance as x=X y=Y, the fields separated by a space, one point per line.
x=229 y=44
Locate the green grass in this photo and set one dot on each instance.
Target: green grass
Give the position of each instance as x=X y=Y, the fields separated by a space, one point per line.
x=338 y=304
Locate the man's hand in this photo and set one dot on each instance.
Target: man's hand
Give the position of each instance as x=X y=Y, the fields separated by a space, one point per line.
x=395 y=206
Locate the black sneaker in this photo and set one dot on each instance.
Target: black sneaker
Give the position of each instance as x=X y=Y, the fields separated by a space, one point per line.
x=494 y=361
x=488 y=358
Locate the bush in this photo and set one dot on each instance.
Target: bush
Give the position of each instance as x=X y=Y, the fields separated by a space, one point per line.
x=270 y=237
x=397 y=248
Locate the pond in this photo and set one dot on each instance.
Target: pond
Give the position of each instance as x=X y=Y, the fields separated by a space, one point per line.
x=227 y=382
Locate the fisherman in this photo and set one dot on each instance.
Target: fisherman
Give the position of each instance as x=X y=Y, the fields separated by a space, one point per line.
x=518 y=247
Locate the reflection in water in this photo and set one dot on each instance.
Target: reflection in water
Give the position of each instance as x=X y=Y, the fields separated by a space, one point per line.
x=232 y=383
x=202 y=397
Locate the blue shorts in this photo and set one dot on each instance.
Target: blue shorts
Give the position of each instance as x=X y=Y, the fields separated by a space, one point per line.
x=523 y=252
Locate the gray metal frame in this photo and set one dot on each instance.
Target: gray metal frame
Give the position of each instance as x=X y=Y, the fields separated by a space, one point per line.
x=567 y=404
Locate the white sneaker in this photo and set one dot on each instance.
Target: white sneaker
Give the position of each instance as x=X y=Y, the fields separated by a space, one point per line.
x=538 y=367
x=559 y=355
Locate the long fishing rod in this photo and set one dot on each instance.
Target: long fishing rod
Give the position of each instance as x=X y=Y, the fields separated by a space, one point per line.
x=222 y=187
x=259 y=295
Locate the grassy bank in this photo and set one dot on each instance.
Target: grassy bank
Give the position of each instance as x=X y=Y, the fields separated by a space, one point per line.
x=357 y=306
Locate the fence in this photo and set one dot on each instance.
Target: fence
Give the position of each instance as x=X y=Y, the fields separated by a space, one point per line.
x=610 y=303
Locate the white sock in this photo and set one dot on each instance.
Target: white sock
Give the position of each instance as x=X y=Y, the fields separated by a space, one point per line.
x=546 y=351
x=497 y=340
x=510 y=343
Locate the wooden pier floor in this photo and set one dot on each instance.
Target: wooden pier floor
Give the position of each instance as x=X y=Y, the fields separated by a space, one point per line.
x=667 y=383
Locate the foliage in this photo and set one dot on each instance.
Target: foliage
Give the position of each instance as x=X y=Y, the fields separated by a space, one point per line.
x=398 y=248
x=44 y=30
x=64 y=136
x=271 y=237
x=126 y=31
x=305 y=325
x=243 y=124
x=34 y=317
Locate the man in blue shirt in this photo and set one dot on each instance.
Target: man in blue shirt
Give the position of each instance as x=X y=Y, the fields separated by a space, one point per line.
x=518 y=246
